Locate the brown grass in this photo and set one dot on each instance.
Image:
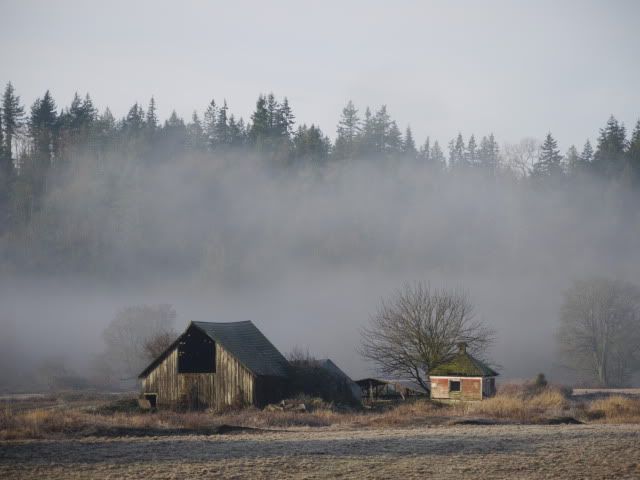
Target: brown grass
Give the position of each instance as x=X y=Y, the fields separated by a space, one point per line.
x=615 y=409
x=523 y=406
x=122 y=417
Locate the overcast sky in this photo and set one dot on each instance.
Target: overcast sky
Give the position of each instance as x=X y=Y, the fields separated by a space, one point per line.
x=515 y=68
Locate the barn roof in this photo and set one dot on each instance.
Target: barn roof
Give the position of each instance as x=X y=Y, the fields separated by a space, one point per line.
x=248 y=345
x=462 y=364
x=244 y=341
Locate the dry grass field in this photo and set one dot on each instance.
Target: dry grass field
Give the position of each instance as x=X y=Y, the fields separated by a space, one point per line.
x=513 y=435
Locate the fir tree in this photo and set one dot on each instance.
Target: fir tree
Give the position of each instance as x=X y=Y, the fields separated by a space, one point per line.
x=457 y=152
x=409 y=145
x=195 y=132
x=134 y=121
x=210 y=119
x=348 y=131
x=222 y=126
x=425 y=152
x=310 y=145
x=152 y=116
x=393 y=143
x=472 y=153
x=488 y=155
x=572 y=160
x=549 y=162
x=260 y=123
x=12 y=118
x=43 y=127
x=586 y=157
x=284 y=119
x=437 y=156
x=608 y=159
x=633 y=154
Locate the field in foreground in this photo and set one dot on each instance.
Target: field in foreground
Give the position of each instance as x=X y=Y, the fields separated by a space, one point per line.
x=462 y=451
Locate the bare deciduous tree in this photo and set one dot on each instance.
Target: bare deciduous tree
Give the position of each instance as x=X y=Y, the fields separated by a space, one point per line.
x=158 y=343
x=599 y=332
x=520 y=157
x=129 y=334
x=419 y=328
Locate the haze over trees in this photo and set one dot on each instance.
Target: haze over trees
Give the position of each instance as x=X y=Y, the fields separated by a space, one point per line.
x=419 y=328
x=599 y=333
x=50 y=153
x=135 y=337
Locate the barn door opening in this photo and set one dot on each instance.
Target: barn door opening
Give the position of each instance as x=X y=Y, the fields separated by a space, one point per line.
x=152 y=398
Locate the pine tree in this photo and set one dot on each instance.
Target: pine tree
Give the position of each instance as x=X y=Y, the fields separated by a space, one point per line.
x=472 y=154
x=393 y=143
x=381 y=127
x=489 y=153
x=236 y=132
x=367 y=142
x=284 y=119
x=572 y=161
x=133 y=123
x=152 y=116
x=608 y=159
x=409 y=145
x=12 y=118
x=425 y=152
x=437 y=156
x=310 y=145
x=195 y=133
x=586 y=157
x=549 y=162
x=6 y=165
x=633 y=154
x=222 y=126
x=43 y=127
x=457 y=152
x=210 y=119
x=348 y=131
x=260 y=123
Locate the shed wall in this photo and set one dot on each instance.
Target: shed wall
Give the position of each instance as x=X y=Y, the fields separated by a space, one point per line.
x=471 y=388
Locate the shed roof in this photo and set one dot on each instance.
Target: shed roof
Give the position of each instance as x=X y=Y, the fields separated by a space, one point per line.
x=462 y=364
x=244 y=341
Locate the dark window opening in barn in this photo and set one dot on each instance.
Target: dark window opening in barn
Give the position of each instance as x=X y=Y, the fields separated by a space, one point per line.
x=196 y=353
x=454 y=385
x=152 y=398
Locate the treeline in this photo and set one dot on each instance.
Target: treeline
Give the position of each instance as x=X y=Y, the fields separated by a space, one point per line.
x=44 y=145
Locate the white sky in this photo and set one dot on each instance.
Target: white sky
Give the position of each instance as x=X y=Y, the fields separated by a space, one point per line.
x=515 y=68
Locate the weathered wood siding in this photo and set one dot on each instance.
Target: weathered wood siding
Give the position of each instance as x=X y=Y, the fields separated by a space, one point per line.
x=234 y=384
x=163 y=380
x=231 y=384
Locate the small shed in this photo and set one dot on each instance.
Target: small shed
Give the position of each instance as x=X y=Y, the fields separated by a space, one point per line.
x=389 y=389
x=214 y=365
x=463 y=377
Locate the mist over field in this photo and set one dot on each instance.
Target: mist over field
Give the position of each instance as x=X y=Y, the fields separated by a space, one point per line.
x=307 y=253
x=296 y=165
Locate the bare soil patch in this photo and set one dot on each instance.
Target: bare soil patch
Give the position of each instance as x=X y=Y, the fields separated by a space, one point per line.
x=464 y=451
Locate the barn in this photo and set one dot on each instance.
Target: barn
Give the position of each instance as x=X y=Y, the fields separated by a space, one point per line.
x=463 y=377
x=213 y=365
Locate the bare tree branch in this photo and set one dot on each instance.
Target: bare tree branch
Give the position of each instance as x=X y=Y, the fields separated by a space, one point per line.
x=418 y=329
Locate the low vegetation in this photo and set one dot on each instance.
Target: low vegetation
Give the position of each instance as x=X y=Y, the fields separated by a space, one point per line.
x=528 y=404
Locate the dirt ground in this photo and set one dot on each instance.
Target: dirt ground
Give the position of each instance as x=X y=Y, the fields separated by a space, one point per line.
x=470 y=451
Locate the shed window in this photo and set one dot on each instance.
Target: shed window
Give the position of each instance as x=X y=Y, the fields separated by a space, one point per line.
x=196 y=353
x=454 y=385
